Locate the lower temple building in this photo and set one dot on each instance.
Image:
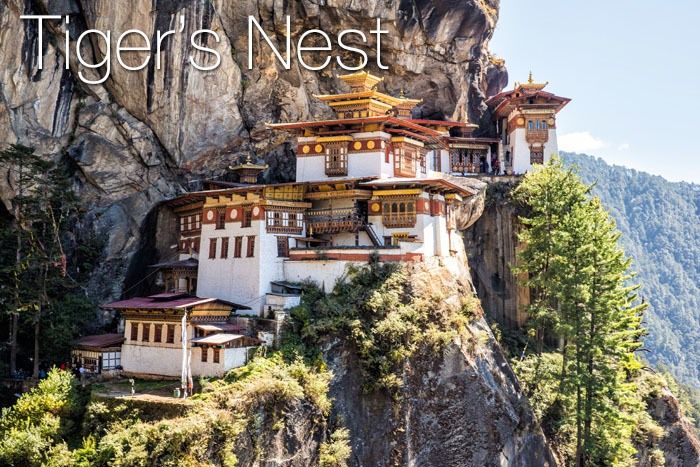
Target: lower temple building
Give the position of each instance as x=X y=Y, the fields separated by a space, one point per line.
x=172 y=334
x=98 y=354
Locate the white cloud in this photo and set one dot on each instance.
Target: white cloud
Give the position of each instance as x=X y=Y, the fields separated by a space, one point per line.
x=623 y=147
x=581 y=141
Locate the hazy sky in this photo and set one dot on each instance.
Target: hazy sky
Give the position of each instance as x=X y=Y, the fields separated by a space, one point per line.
x=631 y=67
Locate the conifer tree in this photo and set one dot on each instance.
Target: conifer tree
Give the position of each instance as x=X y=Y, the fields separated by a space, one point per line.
x=42 y=207
x=579 y=280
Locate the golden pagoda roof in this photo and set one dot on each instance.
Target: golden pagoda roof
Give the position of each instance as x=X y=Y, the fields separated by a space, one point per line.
x=362 y=80
x=363 y=90
x=531 y=85
x=248 y=164
x=392 y=101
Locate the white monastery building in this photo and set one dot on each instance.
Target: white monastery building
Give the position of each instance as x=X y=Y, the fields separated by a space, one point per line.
x=371 y=183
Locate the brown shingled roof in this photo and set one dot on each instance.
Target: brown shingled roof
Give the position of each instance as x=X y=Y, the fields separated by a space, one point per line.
x=99 y=341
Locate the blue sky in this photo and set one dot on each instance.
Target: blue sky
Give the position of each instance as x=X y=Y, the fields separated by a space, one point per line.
x=631 y=68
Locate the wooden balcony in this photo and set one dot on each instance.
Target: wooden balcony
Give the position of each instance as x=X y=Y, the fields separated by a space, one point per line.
x=394 y=220
x=537 y=136
x=337 y=166
x=330 y=221
x=404 y=166
x=293 y=229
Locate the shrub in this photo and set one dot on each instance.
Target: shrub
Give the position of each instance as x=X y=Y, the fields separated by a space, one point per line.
x=336 y=452
x=383 y=320
x=33 y=429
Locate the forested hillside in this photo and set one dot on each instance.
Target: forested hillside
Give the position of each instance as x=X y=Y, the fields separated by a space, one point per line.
x=660 y=222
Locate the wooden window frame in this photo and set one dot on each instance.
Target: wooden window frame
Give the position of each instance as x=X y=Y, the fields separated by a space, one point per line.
x=170 y=337
x=205 y=354
x=437 y=161
x=250 y=247
x=336 y=159
x=238 y=247
x=134 y=335
x=220 y=219
x=158 y=332
x=434 y=207
x=282 y=247
x=536 y=157
x=212 y=248
x=282 y=221
x=247 y=218
x=146 y=332
x=215 y=354
x=405 y=160
x=399 y=213
x=224 y=247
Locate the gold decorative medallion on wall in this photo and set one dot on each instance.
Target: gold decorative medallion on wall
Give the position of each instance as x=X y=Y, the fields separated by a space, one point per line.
x=256 y=209
x=234 y=213
x=375 y=207
x=357 y=145
x=210 y=215
x=318 y=148
x=520 y=121
x=306 y=149
x=550 y=122
x=370 y=144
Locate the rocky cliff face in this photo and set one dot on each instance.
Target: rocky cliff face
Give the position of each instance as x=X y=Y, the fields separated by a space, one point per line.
x=142 y=136
x=461 y=406
x=492 y=245
x=679 y=443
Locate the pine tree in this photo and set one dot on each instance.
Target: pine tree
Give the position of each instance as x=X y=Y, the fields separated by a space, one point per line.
x=578 y=276
x=42 y=208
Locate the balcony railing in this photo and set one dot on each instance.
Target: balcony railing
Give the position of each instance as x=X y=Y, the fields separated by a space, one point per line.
x=336 y=168
x=280 y=227
x=393 y=220
x=537 y=135
x=320 y=221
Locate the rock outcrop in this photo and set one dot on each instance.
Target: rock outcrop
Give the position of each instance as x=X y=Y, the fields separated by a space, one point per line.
x=461 y=406
x=679 y=443
x=143 y=136
x=464 y=408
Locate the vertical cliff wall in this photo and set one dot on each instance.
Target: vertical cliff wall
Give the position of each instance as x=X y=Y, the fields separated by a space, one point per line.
x=492 y=246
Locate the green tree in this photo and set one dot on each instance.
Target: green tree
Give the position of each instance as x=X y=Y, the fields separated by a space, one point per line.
x=43 y=209
x=578 y=275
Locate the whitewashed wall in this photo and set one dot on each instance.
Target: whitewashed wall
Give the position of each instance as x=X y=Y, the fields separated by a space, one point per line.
x=151 y=360
x=322 y=273
x=551 y=148
x=241 y=280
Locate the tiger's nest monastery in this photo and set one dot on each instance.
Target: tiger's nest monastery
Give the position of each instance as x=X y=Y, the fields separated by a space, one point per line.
x=371 y=182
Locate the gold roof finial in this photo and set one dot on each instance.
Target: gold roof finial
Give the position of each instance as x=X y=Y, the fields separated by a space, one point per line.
x=531 y=84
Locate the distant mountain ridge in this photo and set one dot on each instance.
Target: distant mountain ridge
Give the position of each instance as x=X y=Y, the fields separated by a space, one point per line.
x=660 y=225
